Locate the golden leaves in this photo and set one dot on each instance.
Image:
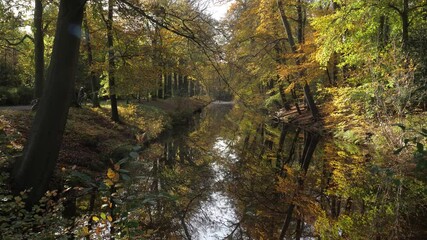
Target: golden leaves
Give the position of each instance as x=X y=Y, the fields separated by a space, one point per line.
x=112 y=176
x=95 y=219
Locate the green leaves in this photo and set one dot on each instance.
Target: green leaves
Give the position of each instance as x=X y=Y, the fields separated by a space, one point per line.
x=403 y=127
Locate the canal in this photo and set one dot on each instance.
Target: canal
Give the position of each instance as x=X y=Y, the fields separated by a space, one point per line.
x=233 y=174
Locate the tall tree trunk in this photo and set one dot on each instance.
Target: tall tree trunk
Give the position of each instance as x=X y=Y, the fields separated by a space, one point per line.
x=382 y=32
x=300 y=29
x=41 y=151
x=94 y=83
x=38 y=49
x=168 y=85
x=185 y=86
x=405 y=25
x=191 y=88
x=287 y=26
x=287 y=222
x=160 y=86
x=175 y=85
x=299 y=229
x=111 y=63
x=310 y=102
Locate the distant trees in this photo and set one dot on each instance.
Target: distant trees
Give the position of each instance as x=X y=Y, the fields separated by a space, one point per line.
x=15 y=49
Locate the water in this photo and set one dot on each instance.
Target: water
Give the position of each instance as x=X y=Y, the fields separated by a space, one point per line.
x=231 y=174
x=216 y=218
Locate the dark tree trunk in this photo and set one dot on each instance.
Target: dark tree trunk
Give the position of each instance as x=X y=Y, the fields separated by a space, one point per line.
x=279 y=155
x=175 y=85
x=180 y=84
x=299 y=229
x=111 y=63
x=285 y=102
x=168 y=85
x=383 y=32
x=41 y=151
x=94 y=83
x=310 y=102
x=300 y=31
x=38 y=49
x=160 y=87
x=198 y=89
x=185 y=86
x=287 y=221
x=287 y=26
x=291 y=151
x=405 y=24
x=191 y=88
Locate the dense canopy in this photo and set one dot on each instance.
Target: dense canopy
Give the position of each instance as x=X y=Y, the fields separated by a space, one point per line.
x=135 y=118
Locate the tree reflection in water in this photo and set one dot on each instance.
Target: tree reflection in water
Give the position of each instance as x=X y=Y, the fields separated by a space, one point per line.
x=234 y=175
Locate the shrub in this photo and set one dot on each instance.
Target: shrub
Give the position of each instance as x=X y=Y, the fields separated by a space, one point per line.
x=21 y=95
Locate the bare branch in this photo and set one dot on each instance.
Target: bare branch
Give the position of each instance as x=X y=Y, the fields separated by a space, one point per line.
x=20 y=41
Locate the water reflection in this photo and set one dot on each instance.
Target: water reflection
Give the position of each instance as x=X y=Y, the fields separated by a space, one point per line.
x=216 y=217
x=233 y=175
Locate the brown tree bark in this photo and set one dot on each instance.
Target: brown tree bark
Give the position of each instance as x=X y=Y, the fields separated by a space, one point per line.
x=286 y=25
x=38 y=49
x=111 y=63
x=34 y=170
x=405 y=25
x=94 y=82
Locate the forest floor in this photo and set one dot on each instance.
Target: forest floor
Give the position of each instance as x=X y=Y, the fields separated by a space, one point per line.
x=92 y=141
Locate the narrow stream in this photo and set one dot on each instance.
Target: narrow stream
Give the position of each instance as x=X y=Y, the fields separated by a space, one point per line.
x=234 y=175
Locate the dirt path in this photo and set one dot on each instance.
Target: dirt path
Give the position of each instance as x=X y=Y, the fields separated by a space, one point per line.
x=18 y=108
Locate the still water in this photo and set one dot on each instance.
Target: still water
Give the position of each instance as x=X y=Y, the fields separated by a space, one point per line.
x=231 y=174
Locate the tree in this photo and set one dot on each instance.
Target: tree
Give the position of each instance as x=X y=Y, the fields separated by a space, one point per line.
x=287 y=27
x=374 y=46
x=111 y=63
x=34 y=170
x=38 y=49
x=94 y=82
x=15 y=47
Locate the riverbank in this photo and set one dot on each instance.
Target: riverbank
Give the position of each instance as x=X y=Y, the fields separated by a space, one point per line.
x=91 y=138
x=92 y=144
x=355 y=127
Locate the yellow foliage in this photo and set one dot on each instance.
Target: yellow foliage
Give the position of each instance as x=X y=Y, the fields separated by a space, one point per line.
x=111 y=174
x=108 y=182
x=290 y=88
x=85 y=231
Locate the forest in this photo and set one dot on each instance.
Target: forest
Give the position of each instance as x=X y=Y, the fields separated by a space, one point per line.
x=163 y=119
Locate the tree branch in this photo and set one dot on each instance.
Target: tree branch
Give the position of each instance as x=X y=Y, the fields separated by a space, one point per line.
x=9 y=42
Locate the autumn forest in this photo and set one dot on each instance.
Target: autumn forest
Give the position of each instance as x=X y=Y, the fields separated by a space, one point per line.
x=213 y=119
